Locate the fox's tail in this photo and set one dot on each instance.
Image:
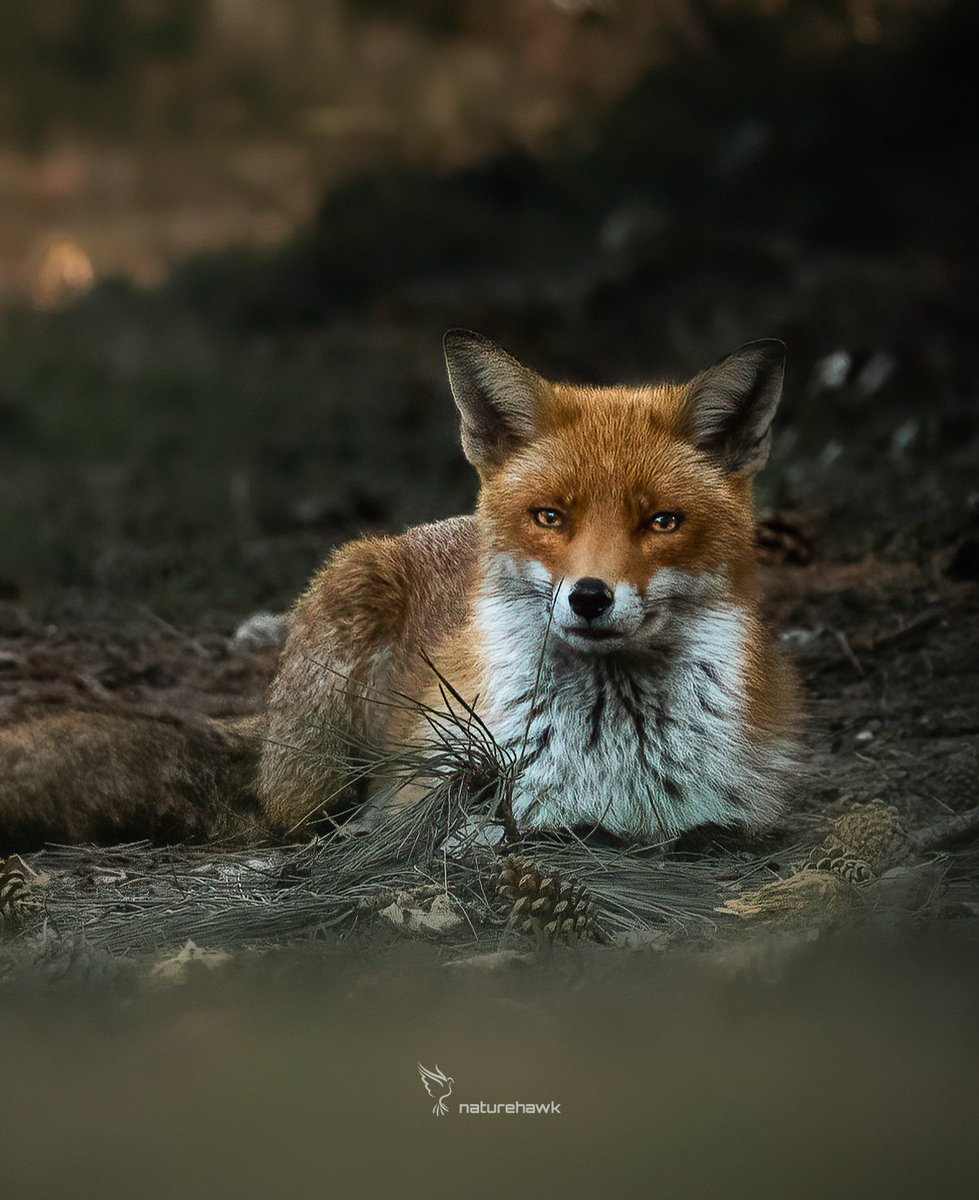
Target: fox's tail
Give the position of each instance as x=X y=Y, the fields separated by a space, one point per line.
x=118 y=776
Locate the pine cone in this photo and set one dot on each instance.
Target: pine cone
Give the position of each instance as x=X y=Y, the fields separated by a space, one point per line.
x=865 y=842
x=541 y=899
x=15 y=875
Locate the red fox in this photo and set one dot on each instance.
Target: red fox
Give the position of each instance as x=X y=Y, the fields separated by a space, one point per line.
x=599 y=612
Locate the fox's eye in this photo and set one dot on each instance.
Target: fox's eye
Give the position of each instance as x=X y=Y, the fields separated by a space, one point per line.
x=550 y=518
x=665 y=522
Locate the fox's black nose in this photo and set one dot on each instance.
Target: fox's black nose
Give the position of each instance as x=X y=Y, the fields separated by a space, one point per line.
x=589 y=598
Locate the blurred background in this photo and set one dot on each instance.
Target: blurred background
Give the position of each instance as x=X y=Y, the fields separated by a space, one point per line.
x=234 y=230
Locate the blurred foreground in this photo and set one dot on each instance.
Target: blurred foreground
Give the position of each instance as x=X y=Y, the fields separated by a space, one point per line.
x=772 y=1068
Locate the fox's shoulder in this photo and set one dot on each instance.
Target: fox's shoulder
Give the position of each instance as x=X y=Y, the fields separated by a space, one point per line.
x=411 y=586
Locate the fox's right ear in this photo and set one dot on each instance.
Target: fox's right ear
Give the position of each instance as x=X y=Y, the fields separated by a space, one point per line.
x=729 y=407
x=499 y=399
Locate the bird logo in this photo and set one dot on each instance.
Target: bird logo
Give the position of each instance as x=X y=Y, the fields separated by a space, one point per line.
x=439 y=1087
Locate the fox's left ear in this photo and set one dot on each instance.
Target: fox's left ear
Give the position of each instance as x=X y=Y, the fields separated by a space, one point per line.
x=729 y=407
x=499 y=399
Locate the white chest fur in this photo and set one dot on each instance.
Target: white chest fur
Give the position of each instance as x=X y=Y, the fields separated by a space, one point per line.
x=645 y=746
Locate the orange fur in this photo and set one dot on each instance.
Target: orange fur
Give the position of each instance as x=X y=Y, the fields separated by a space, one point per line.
x=607 y=457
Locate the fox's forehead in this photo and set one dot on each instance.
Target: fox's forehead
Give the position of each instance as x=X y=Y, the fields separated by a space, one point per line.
x=618 y=443
x=642 y=404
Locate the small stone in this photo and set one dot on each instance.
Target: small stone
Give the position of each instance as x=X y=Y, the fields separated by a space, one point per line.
x=875 y=373
x=831 y=373
x=262 y=630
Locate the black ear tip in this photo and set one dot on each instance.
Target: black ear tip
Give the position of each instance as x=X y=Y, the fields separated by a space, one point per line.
x=763 y=353
x=771 y=349
x=457 y=339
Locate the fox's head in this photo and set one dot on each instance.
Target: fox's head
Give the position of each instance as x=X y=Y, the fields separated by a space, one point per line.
x=613 y=511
